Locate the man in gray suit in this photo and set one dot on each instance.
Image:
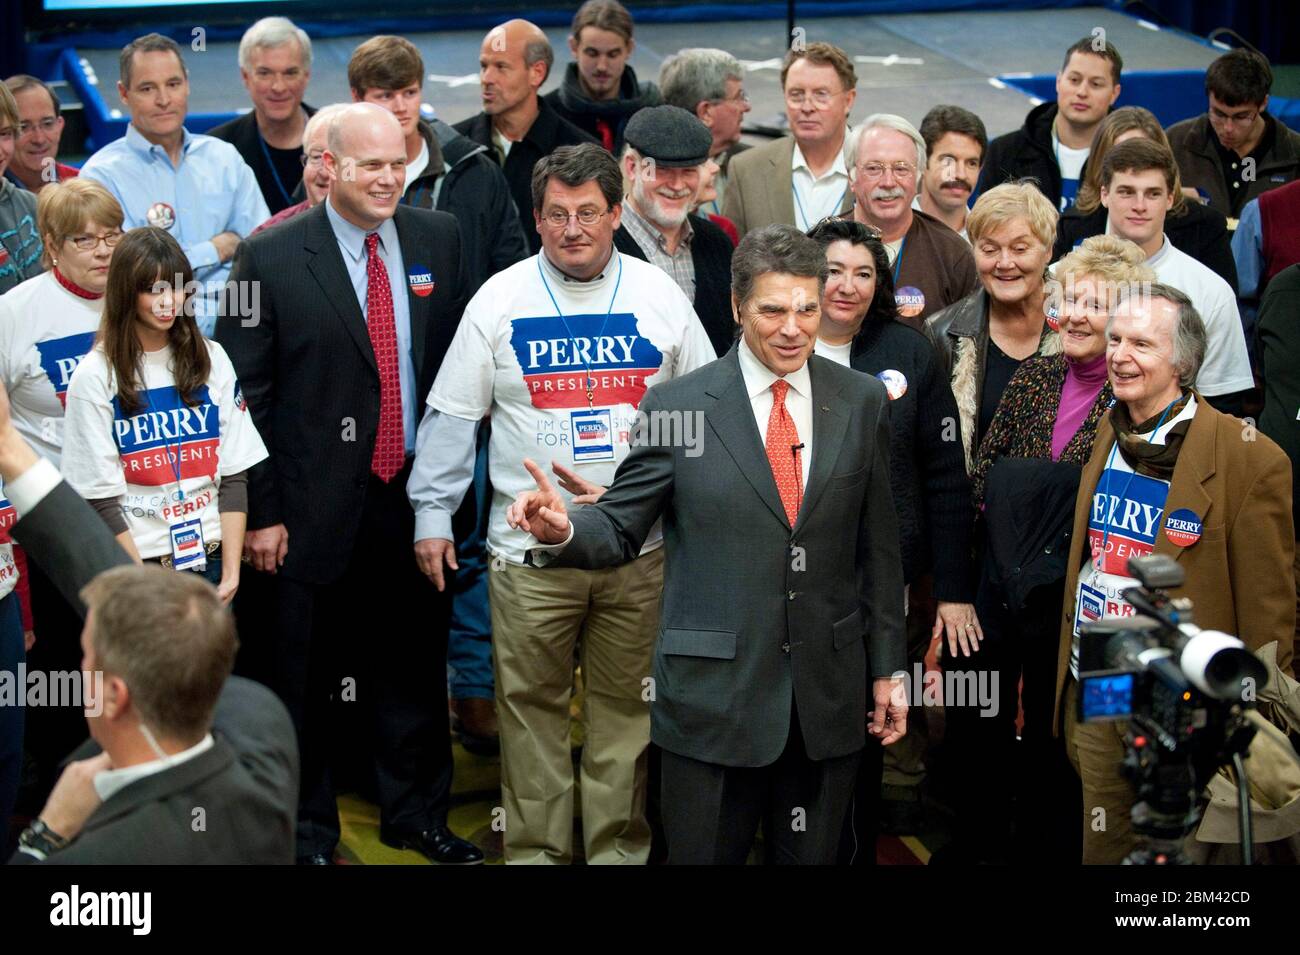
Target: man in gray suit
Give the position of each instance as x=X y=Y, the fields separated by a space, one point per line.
x=780 y=605
x=188 y=764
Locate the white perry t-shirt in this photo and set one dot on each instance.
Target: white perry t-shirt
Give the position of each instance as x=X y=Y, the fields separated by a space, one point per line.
x=1070 y=161
x=45 y=331
x=514 y=357
x=139 y=458
x=839 y=354
x=1226 y=368
x=1127 y=513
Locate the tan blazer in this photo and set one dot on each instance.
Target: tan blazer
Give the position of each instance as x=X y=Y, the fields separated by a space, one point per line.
x=760 y=187
x=1240 y=574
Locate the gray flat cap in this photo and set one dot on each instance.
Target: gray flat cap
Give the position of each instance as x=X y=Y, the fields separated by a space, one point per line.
x=669 y=135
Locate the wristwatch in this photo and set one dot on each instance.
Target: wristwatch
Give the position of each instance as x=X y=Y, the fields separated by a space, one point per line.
x=40 y=840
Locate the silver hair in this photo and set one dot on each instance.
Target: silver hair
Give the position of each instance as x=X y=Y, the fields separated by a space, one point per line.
x=697 y=75
x=270 y=32
x=1190 y=339
x=896 y=123
x=320 y=118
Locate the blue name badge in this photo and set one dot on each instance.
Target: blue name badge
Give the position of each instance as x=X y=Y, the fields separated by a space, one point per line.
x=1090 y=606
x=188 y=551
x=593 y=435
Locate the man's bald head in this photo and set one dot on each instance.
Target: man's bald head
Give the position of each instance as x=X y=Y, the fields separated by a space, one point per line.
x=365 y=158
x=359 y=120
x=514 y=62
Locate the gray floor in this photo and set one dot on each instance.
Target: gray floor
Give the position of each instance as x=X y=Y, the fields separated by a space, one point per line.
x=959 y=53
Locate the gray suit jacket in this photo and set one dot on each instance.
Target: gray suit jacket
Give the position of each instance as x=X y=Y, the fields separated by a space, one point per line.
x=757 y=615
x=246 y=785
x=760 y=187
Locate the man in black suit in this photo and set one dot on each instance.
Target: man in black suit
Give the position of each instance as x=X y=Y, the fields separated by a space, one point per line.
x=516 y=124
x=358 y=301
x=167 y=779
x=782 y=610
x=666 y=146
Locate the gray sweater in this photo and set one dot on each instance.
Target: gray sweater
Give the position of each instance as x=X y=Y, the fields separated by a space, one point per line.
x=20 y=243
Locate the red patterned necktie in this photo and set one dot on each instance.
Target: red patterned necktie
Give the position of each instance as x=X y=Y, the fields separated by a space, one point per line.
x=785 y=452
x=390 y=444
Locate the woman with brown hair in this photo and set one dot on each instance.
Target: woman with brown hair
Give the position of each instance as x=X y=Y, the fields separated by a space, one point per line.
x=158 y=436
x=1192 y=226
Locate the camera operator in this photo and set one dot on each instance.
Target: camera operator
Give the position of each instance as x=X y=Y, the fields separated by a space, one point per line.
x=1168 y=475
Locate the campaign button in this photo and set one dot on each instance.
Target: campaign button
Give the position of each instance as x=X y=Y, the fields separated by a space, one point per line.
x=1183 y=528
x=910 y=301
x=161 y=216
x=895 y=383
x=421 y=280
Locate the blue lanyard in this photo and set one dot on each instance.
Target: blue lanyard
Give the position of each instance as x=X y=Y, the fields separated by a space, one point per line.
x=591 y=394
x=799 y=204
x=1105 y=532
x=288 y=199
x=898 y=261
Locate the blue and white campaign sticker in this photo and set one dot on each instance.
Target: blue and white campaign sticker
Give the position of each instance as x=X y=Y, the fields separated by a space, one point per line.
x=1183 y=527
x=910 y=301
x=895 y=383
x=421 y=280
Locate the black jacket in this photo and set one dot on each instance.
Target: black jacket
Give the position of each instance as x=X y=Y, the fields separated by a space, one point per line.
x=309 y=374
x=462 y=179
x=247 y=783
x=603 y=119
x=242 y=133
x=1201 y=232
x=1026 y=152
x=711 y=253
x=927 y=469
x=1279 y=350
x=548 y=131
x=1028 y=518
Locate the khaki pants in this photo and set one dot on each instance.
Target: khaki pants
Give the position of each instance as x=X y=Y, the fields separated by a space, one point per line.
x=1096 y=751
x=537 y=617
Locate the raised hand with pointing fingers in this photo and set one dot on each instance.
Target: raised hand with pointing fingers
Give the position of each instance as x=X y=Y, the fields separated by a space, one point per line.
x=542 y=512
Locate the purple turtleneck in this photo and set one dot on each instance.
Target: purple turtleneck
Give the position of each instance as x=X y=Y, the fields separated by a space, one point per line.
x=1083 y=382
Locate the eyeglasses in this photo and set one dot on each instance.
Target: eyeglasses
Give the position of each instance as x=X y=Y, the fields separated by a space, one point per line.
x=901 y=170
x=820 y=98
x=1233 y=119
x=311 y=159
x=559 y=219
x=741 y=97
x=87 y=243
x=45 y=125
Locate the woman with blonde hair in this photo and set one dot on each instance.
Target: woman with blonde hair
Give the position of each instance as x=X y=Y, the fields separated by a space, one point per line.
x=985 y=336
x=1191 y=225
x=1025 y=482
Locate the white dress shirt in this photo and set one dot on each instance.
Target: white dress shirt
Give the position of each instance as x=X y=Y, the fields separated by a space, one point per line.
x=798 y=400
x=817 y=198
x=111 y=781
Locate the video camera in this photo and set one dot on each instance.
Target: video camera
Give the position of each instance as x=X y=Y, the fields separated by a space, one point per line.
x=1183 y=690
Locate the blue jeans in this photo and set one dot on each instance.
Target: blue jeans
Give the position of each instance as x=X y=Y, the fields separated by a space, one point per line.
x=12 y=655
x=469 y=641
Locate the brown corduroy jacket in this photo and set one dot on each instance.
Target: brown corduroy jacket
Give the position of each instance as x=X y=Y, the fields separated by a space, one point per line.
x=1240 y=574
